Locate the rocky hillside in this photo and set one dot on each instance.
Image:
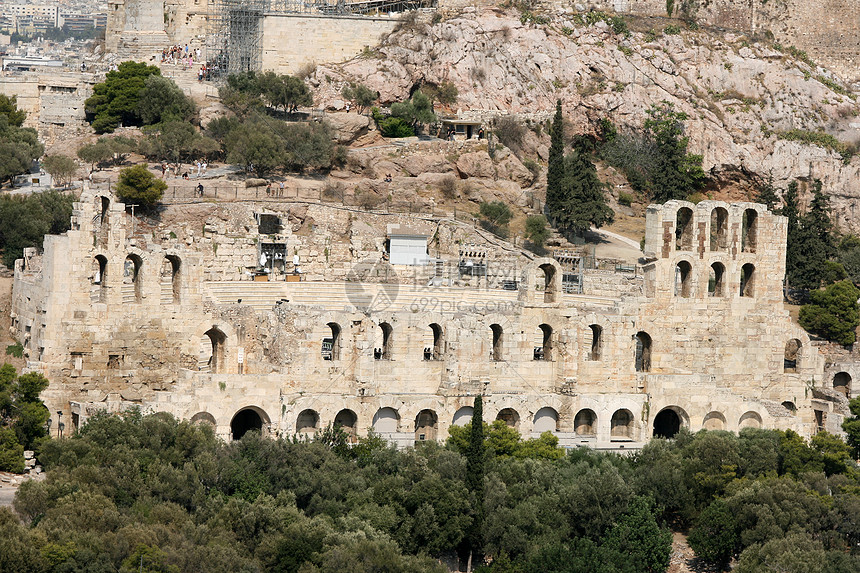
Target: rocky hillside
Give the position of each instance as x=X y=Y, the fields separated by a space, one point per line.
x=757 y=109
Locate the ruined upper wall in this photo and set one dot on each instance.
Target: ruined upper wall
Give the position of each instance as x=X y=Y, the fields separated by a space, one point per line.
x=827 y=30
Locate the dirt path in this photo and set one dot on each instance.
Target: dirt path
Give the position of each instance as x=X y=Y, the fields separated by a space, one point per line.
x=683 y=559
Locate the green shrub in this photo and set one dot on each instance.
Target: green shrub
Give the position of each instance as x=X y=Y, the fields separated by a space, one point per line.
x=395 y=127
x=625 y=199
x=11 y=452
x=821 y=139
x=15 y=350
x=138 y=185
x=833 y=313
x=672 y=30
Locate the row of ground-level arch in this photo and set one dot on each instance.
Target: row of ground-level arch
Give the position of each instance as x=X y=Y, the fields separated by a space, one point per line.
x=387 y=421
x=132 y=278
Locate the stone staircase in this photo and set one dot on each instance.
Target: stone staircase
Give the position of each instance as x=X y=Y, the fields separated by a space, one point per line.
x=263 y=296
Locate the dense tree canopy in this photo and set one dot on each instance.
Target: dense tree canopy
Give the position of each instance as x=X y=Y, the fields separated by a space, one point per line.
x=25 y=220
x=115 y=101
x=132 y=486
x=19 y=146
x=22 y=416
x=139 y=186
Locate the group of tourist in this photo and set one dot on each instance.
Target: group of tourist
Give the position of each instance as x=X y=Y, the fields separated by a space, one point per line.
x=275 y=192
x=177 y=55
x=177 y=169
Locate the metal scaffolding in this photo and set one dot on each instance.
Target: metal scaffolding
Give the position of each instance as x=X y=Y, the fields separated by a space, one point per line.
x=235 y=35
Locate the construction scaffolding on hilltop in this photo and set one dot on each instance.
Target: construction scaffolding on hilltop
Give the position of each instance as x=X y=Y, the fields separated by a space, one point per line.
x=234 y=39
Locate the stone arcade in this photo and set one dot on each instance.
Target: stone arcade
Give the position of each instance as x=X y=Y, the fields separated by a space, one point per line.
x=117 y=315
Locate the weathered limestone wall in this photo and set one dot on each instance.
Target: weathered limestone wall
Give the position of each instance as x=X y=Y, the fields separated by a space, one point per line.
x=291 y=41
x=118 y=315
x=50 y=100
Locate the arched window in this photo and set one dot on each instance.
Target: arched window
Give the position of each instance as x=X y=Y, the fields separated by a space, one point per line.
x=716 y=280
x=308 y=422
x=98 y=292
x=510 y=417
x=463 y=416
x=842 y=383
x=382 y=351
x=248 y=420
x=792 y=355
x=548 y=282
x=170 y=278
x=213 y=347
x=496 y=354
x=750 y=231
x=749 y=420
x=714 y=421
x=683 y=279
x=668 y=422
x=331 y=343
x=596 y=342
x=543 y=343
x=719 y=229
x=425 y=425
x=204 y=418
x=347 y=421
x=747 y=280
x=684 y=229
x=585 y=423
x=621 y=425
x=386 y=421
x=643 y=352
x=131 y=279
x=545 y=420
x=433 y=343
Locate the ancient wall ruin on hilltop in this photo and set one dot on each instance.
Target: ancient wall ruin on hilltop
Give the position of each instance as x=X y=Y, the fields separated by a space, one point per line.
x=117 y=313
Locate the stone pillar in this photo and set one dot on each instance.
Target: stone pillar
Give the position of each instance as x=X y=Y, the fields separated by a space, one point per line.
x=143 y=32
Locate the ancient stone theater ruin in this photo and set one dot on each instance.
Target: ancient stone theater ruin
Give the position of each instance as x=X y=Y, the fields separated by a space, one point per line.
x=213 y=323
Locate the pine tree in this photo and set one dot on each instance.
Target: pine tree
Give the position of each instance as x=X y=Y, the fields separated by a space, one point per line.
x=475 y=476
x=766 y=194
x=583 y=200
x=793 y=247
x=555 y=169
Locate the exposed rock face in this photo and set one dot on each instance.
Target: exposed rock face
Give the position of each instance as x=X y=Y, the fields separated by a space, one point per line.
x=739 y=94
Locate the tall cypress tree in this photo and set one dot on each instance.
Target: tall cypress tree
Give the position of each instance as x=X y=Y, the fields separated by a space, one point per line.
x=583 y=198
x=475 y=477
x=793 y=248
x=555 y=170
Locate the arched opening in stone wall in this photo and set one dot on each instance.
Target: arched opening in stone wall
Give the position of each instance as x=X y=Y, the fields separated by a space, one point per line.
x=543 y=343
x=585 y=423
x=643 y=352
x=433 y=342
x=131 y=279
x=463 y=416
x=792 y=355
x=596 y=342
x=621 y=425
x=98 y=291
x=247 y=420
x=714 y=421
x=170 y=278
x=749 y=420
x=331 y=343
x=383 y=342
x=683 y=279
x=102 y=229
x=545 y=420
x=749 y=235
x=842 y=383
x=204 y=418
x=719 y=229
x=212 y=350
x=716 y=280
x=497 y=354
x=748 y=280
x=510 y=417
x=549 y=293
x=790 y=406
x=684 y=229
x=347 y=421
x=426 y=424
x=386 y=421
x=667 y=423
x=307 y=422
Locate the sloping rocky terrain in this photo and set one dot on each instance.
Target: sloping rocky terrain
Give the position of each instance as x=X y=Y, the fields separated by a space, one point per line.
x=743 y=95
